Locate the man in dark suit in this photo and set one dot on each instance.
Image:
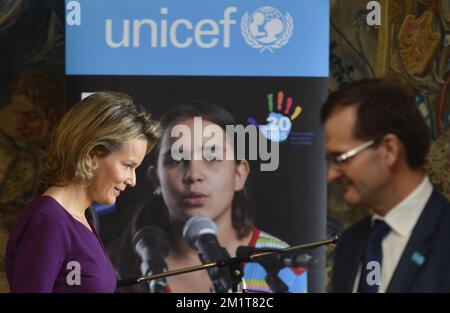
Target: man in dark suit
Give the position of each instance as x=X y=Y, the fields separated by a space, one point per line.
x=376 y=143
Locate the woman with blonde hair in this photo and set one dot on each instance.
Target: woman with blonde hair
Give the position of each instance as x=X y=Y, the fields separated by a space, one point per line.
x=92 y=157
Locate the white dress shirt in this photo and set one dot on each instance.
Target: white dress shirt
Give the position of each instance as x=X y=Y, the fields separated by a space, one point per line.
x=401 y=219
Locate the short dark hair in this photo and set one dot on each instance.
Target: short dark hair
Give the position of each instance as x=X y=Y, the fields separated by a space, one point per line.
x=242 y=206
x=383 y=107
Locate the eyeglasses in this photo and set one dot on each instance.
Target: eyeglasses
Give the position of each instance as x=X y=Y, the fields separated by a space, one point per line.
x=341 y=158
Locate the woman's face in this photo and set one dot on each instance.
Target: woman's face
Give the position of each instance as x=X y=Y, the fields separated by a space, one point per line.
x=116 y=171
x=198 y=186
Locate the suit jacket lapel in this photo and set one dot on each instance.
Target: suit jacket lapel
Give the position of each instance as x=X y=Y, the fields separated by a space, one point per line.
x=355 y=252
x=417 y=247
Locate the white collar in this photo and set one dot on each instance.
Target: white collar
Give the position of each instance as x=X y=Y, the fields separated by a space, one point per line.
x=403 y=217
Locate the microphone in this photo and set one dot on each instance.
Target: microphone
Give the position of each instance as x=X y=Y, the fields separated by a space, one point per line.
x=231 y=262
x=151 y=244
x=201 y=234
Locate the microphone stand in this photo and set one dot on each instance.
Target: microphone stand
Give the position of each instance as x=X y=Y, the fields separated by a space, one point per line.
x=234 y=264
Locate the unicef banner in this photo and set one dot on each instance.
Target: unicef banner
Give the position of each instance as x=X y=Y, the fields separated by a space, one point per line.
x=198 y=37
x=265 y=62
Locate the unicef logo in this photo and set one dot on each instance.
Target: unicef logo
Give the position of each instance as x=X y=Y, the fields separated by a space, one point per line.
x=267 y=28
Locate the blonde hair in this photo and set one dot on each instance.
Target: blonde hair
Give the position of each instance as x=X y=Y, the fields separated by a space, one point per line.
x=98 y=124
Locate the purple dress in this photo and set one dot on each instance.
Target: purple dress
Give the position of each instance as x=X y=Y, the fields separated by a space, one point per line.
x=50 y=251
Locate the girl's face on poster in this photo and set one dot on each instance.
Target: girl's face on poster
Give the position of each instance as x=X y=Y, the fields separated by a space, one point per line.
x=196 y=174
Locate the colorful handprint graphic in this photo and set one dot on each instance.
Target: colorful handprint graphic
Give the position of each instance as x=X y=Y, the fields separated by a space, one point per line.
x=279 y=123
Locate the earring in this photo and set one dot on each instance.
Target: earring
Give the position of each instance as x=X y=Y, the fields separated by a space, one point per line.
x=157 y=191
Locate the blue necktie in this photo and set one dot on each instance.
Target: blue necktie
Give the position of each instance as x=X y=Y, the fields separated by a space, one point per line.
x=373 y=252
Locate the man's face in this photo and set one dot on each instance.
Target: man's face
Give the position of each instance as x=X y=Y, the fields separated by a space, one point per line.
x=31 y=122
x=362 y=176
